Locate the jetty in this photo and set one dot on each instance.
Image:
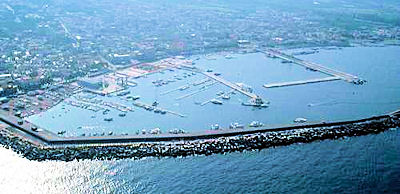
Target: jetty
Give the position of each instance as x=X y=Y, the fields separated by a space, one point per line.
x=314 y=66
x=301 y=82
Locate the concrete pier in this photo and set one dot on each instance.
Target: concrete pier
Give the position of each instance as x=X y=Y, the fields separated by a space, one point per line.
x=293 y=83
x=314 y=66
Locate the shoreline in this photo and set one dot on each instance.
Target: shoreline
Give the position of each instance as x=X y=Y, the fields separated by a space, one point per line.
x=202 y=145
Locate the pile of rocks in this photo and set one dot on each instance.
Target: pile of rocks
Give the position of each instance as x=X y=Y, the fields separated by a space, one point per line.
x=255 y=141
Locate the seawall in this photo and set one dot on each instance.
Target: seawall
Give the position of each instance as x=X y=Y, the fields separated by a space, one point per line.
x=204 y=144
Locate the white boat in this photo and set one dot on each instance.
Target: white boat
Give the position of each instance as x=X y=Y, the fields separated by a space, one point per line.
x=155 y=131
x=228 y=56
x=300 y=120
x=177 y=131
x=256 y=102
x=215 y=127
x=256 y=124
x=183 y=87
x=225 y=96
x=236 y=126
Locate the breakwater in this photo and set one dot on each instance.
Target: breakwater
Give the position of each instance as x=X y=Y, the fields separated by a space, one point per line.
x=201 y=146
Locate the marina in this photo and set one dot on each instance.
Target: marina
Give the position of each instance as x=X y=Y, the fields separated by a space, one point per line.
x=184 y=108
x=200 y=96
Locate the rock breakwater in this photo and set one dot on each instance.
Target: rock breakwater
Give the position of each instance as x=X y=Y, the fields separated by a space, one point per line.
x=255 y=141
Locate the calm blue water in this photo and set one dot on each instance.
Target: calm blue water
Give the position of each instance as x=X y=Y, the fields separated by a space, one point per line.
x=367 y=164
x=336 y=100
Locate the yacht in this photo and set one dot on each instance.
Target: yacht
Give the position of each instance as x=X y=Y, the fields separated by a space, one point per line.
x=225 y=97
x=176 y=131
x=215 y=127
x=155 y=131
x=256 y=124
x=183 y=87
x=236 y=126
x=228 y=56
x=300 y=120
x=256 y=102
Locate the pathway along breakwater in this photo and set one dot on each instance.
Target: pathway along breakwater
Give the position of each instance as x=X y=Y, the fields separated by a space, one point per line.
x=254 y=141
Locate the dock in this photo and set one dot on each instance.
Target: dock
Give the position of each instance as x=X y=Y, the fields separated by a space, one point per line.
x=301 y=82
x=175 y=89
x=219 y=79
x=314 y=66
x=229 y=84
x=144 y=105
x=204 y=88
x=220 y=96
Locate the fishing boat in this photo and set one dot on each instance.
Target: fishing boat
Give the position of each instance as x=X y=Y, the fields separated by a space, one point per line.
x=155 y=103
x=108 y=119
x=135 y=97
x=215 y=101
x=61 y=132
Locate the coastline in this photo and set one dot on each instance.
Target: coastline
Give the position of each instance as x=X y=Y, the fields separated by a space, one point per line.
x=199 y=145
